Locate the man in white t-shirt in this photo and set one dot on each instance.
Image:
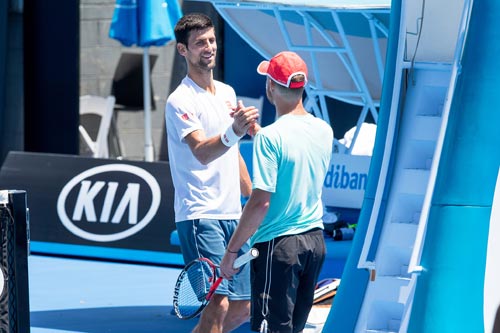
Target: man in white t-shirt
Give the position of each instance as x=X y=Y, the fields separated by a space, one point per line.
x=204 y=124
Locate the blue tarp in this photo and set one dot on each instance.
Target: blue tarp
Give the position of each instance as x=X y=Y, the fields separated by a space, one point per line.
x=144 y=22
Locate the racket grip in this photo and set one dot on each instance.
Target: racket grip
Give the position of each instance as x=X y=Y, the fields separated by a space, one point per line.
x=243 y=259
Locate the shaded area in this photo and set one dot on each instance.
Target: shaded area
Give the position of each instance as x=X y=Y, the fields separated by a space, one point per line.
x=142 y=319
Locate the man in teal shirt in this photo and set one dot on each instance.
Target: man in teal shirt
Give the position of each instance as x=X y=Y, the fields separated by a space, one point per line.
x=283 y=216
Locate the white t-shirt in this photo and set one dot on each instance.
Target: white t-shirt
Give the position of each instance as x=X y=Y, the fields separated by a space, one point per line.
x=202 y=191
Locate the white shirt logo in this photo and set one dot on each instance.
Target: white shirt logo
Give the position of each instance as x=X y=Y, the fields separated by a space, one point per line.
x=85 y=204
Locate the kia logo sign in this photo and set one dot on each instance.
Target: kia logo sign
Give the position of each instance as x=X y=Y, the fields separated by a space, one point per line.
x=109 y=202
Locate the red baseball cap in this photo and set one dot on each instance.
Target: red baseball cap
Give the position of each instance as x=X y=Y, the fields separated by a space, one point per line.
x=282 y=67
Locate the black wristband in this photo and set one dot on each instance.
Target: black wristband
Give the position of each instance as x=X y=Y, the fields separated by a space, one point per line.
x=228 y=250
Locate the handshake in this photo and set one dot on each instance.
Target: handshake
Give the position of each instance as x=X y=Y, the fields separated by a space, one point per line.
x=245 y=119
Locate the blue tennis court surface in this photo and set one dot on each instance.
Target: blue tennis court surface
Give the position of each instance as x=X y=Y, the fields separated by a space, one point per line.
x=72 y=295
x=90 y=296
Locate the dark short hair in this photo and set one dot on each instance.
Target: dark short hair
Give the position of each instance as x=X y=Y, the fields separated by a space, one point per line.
x=298 y=78
x=292 y=92
x=190 y=22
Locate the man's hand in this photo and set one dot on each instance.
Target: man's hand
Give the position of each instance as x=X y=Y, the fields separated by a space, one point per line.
x=254 y=129
x=245 y=119
x=226 y=265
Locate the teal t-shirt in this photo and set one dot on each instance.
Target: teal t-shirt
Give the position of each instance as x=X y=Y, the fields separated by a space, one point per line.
x=290 y=160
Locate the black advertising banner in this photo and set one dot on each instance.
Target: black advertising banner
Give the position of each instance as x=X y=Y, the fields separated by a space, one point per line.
x=96 y=207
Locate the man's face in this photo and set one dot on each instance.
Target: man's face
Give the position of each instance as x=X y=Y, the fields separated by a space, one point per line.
x=201 y=49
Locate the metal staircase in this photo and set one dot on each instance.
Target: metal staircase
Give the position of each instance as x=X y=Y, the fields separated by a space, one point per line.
x=390 y=285
x=397 y=226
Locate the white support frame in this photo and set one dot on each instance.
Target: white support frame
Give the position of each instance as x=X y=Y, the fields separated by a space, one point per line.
x=317 y=93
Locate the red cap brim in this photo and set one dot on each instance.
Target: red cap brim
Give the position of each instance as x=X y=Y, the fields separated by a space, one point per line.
x=262 y=68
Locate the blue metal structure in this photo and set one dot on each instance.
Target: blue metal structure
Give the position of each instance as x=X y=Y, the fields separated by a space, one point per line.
x=454 y=251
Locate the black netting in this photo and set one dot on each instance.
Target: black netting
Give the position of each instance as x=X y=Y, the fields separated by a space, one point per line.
x=8 y=297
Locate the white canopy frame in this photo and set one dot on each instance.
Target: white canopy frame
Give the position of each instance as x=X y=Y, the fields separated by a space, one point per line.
x=343 y=44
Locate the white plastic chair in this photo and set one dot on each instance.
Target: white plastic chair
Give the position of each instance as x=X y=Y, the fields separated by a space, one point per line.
x=102 y=107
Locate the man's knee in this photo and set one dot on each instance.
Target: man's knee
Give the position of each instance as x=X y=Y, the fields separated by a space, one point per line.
x=240 y=309
x=219 y=302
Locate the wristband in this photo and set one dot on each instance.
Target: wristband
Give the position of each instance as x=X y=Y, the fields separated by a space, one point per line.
x=229 y=138
x=228 y=250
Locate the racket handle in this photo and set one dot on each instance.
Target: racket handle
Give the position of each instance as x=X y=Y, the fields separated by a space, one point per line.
x=213 y=288
x=243 y=259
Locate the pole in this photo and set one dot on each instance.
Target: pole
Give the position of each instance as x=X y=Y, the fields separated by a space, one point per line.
x=148 y=141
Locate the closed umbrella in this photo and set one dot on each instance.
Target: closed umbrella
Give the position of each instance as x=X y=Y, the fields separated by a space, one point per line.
x=145 y=23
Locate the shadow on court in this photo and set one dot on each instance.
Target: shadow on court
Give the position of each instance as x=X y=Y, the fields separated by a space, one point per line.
x=133 y=319
x=143 y=319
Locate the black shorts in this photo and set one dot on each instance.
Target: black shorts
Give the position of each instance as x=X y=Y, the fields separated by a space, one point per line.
x=293 y=270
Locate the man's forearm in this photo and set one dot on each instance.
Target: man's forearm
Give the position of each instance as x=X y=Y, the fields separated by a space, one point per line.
x=253 y=214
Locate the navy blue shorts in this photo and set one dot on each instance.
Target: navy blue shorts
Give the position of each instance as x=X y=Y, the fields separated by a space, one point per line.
x=208 y=238
x=292 y=269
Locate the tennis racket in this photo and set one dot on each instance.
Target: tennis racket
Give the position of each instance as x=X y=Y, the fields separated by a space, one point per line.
x=197 y=283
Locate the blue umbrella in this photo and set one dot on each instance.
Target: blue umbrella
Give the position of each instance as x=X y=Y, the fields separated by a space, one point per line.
x=145 y=23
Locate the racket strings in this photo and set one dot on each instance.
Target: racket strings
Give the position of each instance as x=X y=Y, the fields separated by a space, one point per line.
x=192 y=288
x=267 y=287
